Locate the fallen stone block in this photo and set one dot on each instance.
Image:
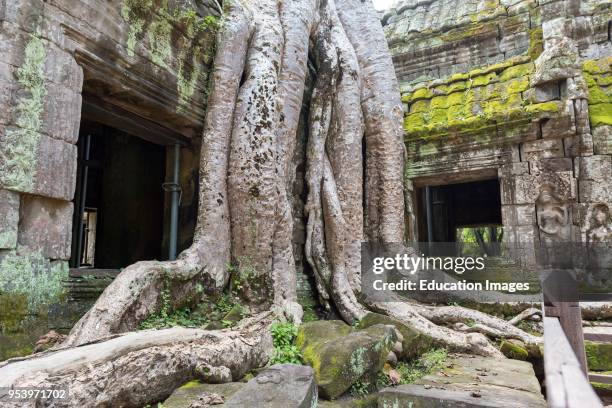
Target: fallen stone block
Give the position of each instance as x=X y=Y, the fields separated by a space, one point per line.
x=280 y=386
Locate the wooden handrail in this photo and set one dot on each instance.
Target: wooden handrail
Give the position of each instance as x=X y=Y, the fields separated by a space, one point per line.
x=566 y=383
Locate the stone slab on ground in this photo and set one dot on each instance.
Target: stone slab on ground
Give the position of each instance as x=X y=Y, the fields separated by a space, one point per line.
x=470 y=381
x=185 y=395
x=280 y=386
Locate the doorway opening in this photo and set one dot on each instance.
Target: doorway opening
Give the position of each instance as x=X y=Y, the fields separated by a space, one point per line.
x=463 y=213
x=119 y=202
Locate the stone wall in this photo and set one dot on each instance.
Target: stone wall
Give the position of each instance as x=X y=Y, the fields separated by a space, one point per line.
x=518 y=89
x=149 y=57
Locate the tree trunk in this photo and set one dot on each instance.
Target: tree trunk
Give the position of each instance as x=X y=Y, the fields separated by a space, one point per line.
x=354 y=174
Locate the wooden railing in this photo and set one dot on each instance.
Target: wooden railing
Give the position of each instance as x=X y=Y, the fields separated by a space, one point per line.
x=567 y=384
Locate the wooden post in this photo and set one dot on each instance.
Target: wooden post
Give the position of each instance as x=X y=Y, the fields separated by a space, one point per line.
x=570 y=317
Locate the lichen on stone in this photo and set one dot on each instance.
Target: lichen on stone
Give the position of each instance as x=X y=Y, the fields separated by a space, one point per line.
x=30 y=274
x=134 y=12
x=20 y=147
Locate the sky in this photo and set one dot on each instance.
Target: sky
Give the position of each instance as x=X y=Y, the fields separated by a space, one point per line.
x=382 y=4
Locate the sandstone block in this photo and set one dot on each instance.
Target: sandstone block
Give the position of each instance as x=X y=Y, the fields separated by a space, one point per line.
x=541 y=149
x=558 y=164
x=56 y=169
x=46 y=226
x=513 y=169
x=562 y=126
x=333 y=347
x=61 y=115
x=594 y=191
x=518 y=215
x=501 y=383
x=602 y=140
x=9 y=218
x=579 y=145
x=597 y=168
x=279 y=386
x=191 y=392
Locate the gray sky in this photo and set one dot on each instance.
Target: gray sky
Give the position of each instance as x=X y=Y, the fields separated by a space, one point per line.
x=382 y=4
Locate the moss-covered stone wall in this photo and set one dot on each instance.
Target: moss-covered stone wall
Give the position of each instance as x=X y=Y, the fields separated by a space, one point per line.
x=149 y=57
x=514 y=89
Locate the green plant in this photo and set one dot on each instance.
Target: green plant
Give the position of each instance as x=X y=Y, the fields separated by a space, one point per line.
x=224 y=304
x=382 y=380
x=168 y=318
x=285 y=350
x=429 y=362
x=360 y=388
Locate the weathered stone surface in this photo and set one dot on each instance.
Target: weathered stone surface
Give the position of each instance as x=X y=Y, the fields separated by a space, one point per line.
x=280 y=386
x=9 y=218
x=61 y=114
x=596 y=168
x=414 y=342
x=518 y=214
x=471 y=382
x=369 y=401
x=56 y=169
x=46 y=225
x=512 y=169
x=525 y=189
x=551 y=165
x=602 y=140
x=340 y=356
x=183 y=396
x=593 y=191
x=34 y=163
x=542 y=149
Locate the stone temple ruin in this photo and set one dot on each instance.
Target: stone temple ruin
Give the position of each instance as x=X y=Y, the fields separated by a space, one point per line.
x=507 y=104
x=508 y=123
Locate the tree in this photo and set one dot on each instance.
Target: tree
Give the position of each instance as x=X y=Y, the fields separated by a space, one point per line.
x=355 y=165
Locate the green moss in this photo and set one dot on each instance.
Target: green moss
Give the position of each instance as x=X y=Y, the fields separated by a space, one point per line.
x=429 y=362
x=536 y=43
x=421 y=93
x=179 y=32
x=419 y=106
x=191 y=384
x=21 y=143
x=160 y=41
x=135 y=12
x=515 y=86
x=516 y=71
x=13 y=310
x=595 y=67
x=483 y=80
x=546 y=107
x=599 y=356
x=600 y=114
x=33 y=276
x=514 y=351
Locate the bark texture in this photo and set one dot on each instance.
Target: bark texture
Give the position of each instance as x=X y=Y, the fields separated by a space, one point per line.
x=137 y=368
x=354 y=174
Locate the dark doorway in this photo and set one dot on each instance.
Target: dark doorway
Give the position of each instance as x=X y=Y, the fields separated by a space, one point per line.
x=119 y=201
x=442 y=210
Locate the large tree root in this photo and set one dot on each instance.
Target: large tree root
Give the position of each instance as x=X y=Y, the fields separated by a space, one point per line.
x=138 y=368
x=136 y=292
x=354 y=174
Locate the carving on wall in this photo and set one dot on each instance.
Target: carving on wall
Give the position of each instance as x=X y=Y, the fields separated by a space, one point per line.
x=600 y=226
x=552 y=214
